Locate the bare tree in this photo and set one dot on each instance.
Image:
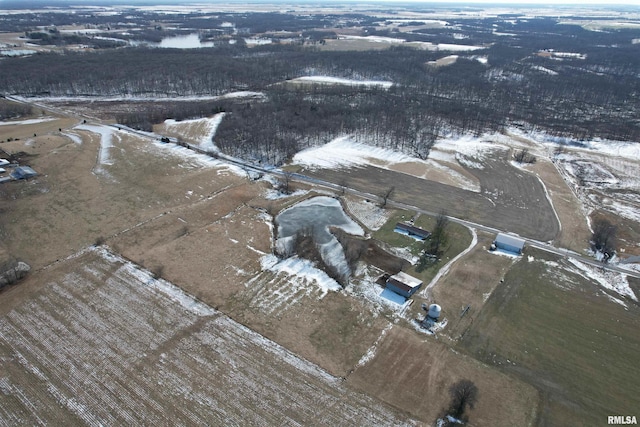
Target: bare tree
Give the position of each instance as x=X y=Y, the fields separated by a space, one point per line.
x=524 y=156
x=285 y=182
x=603 y=238
x=559 y=150
x=385 y=196
x=464 y=393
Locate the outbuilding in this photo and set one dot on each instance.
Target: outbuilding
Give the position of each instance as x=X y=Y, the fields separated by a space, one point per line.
x=23 y=172
x=509 y=243
x=412 y=231
x=403 y=284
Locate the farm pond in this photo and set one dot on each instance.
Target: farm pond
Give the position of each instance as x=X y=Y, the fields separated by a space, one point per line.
x=315 y=216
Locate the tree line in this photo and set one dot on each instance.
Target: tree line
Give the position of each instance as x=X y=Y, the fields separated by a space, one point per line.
x=582 y=98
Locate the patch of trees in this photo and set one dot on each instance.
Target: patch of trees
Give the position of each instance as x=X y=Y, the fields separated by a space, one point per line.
x=603 y=239
x=358 y=249
x=436 y=244
x=524 y=156
x=272 y=132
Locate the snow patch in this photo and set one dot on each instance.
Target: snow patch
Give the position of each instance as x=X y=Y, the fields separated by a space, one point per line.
x=27 y=121
x=106 y=143
x=207 y=127
x=612 y=281
x=300 y=268
x=343 y=152
x=341 y=81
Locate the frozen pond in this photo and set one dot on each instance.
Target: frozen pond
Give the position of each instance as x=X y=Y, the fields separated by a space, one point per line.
x=190 y=41
x=318 y=214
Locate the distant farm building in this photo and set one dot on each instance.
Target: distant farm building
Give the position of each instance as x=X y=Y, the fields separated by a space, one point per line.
x=403 y=284
x=411 y=231
x=23 y=172
x=508 y=243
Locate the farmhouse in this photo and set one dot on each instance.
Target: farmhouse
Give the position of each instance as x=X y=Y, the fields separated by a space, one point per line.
x=509 y=243
x=411 y=231
x=403 y=284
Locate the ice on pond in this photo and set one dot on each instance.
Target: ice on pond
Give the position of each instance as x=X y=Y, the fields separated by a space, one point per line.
x=316 y=216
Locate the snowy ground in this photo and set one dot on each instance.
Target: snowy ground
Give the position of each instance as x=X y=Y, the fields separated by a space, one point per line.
x=104 y=343
x=206 y=127
x=27 y=121
x=422 y=45
x=230 y=95
x=106 y=143
x=340 y=81
x=368 y=213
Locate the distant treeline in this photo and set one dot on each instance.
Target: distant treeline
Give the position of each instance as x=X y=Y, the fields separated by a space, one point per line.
x=510 y=82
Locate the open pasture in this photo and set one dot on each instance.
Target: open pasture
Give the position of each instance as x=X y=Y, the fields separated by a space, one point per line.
x=558 y=330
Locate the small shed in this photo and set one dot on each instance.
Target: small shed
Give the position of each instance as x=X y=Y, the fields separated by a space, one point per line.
x=509 y=243
x=403 y=284
x=412 y=231
x=23 y=172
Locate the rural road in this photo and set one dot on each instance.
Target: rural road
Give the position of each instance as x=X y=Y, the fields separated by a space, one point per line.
x=327 y=184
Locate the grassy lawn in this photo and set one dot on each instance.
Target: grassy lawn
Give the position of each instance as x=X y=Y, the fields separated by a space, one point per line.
x=459 y=240
x=575 y=345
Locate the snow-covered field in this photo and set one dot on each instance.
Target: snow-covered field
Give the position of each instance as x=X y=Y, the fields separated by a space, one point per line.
x=421 y=45
x=205 y=127
x=284 y=283
x=344 y=152
x=105 y=343
x=340 y=81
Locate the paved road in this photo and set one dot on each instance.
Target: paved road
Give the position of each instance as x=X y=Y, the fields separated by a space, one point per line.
x=323 y=183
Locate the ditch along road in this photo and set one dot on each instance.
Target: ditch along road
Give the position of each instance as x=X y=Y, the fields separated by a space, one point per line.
x=315 y=180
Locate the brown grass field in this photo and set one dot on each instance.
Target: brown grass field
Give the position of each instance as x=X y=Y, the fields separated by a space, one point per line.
x=559 y=332
x=201 y=228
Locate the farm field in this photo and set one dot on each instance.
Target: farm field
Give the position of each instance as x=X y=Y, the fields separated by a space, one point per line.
x=558 y=330
x=414 y=374
x=97 y=340
x=523 y=207
x=187 y=227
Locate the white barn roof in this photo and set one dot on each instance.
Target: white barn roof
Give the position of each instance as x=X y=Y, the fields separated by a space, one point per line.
x=512 y=241
x=404 y=278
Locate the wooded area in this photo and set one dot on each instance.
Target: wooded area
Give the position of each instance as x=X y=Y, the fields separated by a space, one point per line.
x=589 y=92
